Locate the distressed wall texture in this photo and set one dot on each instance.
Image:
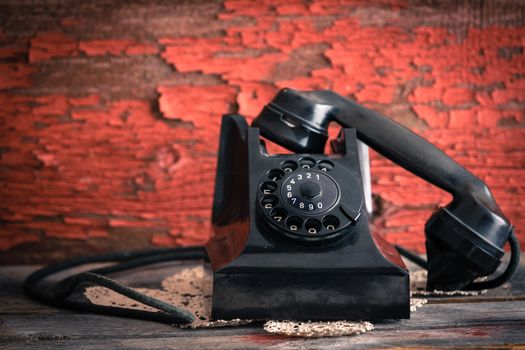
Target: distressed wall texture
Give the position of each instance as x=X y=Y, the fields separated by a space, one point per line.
x=110 y=110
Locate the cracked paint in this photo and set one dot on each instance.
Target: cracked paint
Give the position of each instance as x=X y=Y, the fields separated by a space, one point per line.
x=110 y=129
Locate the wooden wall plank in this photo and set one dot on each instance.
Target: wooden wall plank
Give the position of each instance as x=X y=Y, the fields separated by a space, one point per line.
x=110 y=110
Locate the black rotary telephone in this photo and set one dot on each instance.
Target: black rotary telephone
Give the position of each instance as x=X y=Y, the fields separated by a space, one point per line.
x=291 y=232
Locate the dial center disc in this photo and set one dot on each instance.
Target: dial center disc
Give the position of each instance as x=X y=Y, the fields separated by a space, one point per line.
x=309 y=192
x=310 y=189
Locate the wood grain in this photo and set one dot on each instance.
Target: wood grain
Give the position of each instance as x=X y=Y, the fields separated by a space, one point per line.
x=469 y=323
x=110 y=110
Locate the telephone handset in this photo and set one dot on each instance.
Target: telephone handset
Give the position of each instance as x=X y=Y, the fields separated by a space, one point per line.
x=465 y=238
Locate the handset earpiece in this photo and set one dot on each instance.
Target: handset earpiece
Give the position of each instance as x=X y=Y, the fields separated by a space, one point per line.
x=465 y=238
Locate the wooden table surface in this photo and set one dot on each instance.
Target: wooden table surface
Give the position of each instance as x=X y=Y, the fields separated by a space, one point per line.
x=493 y=320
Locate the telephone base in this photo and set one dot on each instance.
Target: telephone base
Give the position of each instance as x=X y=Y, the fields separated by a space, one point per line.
x=273 y=260
x=311 y=296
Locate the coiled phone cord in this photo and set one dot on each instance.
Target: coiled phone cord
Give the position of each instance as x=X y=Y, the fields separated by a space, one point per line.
x=126 y=260
x=493 y=283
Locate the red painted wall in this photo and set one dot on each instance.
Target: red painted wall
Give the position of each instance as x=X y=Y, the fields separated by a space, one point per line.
x=110 y=111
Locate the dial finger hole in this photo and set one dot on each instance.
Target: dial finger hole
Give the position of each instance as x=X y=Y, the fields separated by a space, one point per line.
x=312 y=226
x=268 y=187
x=306 y=163
x=289 y=166
x=294 y=223
x=331 y=223
x=275 y=174
x=278 y=214
x=325 y=165
x=269 y=201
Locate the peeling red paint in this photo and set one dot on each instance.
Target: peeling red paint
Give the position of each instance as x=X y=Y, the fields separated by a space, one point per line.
x=85 y=101
x=100 y=164
x=50 y=105
x=200 y=105
x=116 y=47
x=104 y=47
x=457 y=96
x=15 y=75
x=46 y=46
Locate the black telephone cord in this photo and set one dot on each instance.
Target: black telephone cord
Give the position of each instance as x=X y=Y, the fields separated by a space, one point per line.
x=127 y=260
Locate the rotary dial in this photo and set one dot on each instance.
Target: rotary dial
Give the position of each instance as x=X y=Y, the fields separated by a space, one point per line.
x=300 y=199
